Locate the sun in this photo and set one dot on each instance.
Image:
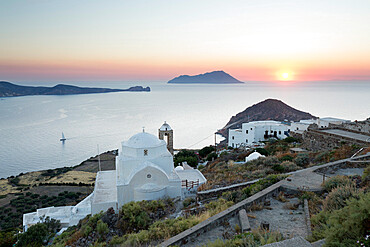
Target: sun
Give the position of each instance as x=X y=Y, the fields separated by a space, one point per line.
x=285 y=75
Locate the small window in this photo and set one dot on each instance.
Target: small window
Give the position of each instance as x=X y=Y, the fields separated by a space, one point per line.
x=246 y=140
x=279 y=132
x=145 y=152
x=149 y=176
x=233 y=144
x=272 y=131
x=232 y=138
x=246 y=131
x=251 y=128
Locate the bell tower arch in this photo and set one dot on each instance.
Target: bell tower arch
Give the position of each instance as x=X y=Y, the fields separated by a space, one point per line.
x=165 y=132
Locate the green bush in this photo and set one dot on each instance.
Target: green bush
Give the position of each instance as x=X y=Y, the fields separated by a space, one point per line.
x=205 y=151
x=302 y=160
x=87 y=231
x=337 y=181
x=251 y=239
x=286 y=157
x=102 y=227
x=211 y=156
x=36 y=235
x=337 y=197
x=290 y=139
x=366 y=175
x=349 y=224
x=262 y=151
x=188 y=201
x=185 y=155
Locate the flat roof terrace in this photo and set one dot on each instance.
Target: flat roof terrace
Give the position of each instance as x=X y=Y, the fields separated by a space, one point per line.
x=348 y=134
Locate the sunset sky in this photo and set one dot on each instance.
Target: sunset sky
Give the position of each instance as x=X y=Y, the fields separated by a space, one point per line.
x=257 y=40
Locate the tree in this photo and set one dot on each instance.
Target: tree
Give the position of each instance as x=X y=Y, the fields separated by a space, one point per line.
x=185 y=155
x=36 y=235
x=206 y=151
x=7 y=239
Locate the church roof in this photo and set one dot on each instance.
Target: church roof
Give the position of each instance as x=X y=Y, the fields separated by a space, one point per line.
x=253 y=156
x=165 y=126
x=143 y=140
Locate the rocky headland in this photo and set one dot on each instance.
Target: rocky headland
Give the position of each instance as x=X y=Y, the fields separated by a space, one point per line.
x=8 y=89
x=269 y=109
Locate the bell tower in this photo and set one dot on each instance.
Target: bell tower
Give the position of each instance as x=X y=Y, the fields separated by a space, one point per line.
x=165 y=131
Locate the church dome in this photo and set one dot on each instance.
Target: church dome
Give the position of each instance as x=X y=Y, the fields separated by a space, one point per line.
x=165 y=127
x=143 y=140
x=253 y=156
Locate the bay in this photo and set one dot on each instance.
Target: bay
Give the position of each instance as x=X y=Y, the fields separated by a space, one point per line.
x=31 y=126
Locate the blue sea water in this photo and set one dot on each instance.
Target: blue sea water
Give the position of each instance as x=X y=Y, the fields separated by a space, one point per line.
x=31 y=126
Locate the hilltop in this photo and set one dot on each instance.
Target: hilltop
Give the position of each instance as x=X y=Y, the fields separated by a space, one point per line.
x=214 y=77
x=8 y=89
x=269 y=109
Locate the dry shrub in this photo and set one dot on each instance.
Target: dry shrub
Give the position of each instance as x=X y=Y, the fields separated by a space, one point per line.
x=289 y=166
x=290 y=206
x=256 y=206
x=337 y=181
x=366 y=150
x=75 y=236
x=281 y=197
x=251 y=216
x=238 y=230
x=336 y=199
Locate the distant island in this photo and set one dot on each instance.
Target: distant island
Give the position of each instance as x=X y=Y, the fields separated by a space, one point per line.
x=8 y=89
x=215 y=77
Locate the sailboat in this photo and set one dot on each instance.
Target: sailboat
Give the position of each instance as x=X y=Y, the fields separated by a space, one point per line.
x=63 y=138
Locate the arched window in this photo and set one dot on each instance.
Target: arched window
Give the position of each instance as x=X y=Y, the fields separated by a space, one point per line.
x=246 y=131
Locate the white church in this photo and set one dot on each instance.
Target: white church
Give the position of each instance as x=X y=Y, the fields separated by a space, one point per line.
x=144 y=171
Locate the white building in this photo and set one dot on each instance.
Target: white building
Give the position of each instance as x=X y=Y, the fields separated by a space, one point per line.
x=144 y=171
x=321 y=123
x=257 y=131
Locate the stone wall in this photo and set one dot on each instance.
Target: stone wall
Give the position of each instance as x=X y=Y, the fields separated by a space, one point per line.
x=206 y=194
x=219 y=218
x=315 y=140
x=359 y=126
x=273 y=190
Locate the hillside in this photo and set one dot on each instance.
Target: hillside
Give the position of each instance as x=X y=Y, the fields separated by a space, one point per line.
x=269 y=109
x=215 y=77
x=8 y=89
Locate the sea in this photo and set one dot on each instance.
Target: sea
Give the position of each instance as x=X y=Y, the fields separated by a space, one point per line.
x=31 y=126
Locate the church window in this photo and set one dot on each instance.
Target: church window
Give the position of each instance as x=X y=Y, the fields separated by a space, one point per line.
x=279 y=132
x=232 y=138
x=145 y=152
x=246 y=140
x=246 y=131
x=149 y=176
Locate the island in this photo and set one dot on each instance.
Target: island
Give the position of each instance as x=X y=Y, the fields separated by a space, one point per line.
x=214 y=77
x=8 y=89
